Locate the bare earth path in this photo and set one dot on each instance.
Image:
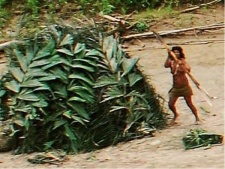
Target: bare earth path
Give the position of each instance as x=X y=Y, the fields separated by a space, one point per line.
x=165 y=150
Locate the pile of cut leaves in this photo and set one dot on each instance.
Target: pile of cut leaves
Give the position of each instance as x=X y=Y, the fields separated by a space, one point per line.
x=77 y=90
x=196 y=138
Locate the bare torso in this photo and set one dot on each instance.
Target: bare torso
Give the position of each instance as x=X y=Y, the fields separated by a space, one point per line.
x=180 y=80
x=178 y=69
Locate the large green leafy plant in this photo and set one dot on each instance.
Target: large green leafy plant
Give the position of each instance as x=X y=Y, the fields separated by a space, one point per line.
x=76 y=90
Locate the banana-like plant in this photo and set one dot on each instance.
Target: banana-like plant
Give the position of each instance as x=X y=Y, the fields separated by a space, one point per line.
x=76 y=90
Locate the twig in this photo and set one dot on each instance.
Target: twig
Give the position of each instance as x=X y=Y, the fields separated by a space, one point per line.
x=110 y=18
x=128 y=16
x=197 y=7
x=123 y=22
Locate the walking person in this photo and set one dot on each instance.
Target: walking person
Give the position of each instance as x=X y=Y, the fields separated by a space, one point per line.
x=181 y=87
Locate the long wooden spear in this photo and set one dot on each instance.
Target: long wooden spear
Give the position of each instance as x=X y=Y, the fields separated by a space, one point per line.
x=197 y=84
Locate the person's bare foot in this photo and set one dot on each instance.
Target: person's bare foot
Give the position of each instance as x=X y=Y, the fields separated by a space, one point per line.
x=198 y=122
x=174 y=121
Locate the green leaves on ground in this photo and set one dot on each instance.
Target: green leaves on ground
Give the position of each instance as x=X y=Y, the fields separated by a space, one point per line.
x=199 y=138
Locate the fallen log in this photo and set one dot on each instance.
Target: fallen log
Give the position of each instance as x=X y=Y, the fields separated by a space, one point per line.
x=190 y=42
x=151 y=34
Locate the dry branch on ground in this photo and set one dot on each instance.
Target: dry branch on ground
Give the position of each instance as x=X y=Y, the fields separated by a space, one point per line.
x=10 y=43
x=199 y=6
x=162 y=33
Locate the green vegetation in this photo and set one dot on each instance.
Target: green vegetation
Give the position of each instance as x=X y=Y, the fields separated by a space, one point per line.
x=76 y=90
x=41 y=11
x=73 y=88
x=90 y=6
x=199 y=138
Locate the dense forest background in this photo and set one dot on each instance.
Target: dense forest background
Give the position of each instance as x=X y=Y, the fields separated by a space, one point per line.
x=36 y=8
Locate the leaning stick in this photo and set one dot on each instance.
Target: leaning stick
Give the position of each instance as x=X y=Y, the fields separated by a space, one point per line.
x=189 y=74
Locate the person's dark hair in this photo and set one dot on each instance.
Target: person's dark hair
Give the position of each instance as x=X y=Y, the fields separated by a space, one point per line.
x=182 y=55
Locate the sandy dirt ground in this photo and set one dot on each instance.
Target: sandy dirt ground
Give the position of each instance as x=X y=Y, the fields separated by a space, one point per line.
x=165 y=150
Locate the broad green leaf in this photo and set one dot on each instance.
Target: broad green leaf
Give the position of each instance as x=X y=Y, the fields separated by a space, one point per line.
x=65 y=62
x=69 y=133
x=80 y=47
x=128 y=64
x=52 y=116
x=111 y=98
x=36 y=72
x=48 y=78
x=85 y=61
x=44 y=87
x=39 y=63
x=23 y=108
x=27 y=122
x=80 y=51
x=60 y=90
x=40 y=103
x=113 y=65
x=48 y=145
x=136 y=94
x=45 y=51
x=77 y=99
x=59 y=123
x=86 y=96
x=52 y=64
x=17 y=73
x=28 y=97
x=93 y=52
x=2 y=92
x=68 y=40
x=13 y=130
x=105 y=81
x=19 y=122
x=68 y=114
x=116 y=108
x=134 y=78
x=84 y=68
x=79 y=109
x=107 y=46
x=81 y=77
x=111 y=51
x=120 y=55
x=65 y=51
x=103 y=67
x=78 y=119
x=13 y=86
x=113 y=93
x=81 y=88
x=26 y=91
x=31 y=83
x=30 y=53
x=110 y=47
x=60 y=74
x=21 y=59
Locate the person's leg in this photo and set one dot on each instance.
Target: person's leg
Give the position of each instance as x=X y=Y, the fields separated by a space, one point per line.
x=171 y=104
x=188 y=100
